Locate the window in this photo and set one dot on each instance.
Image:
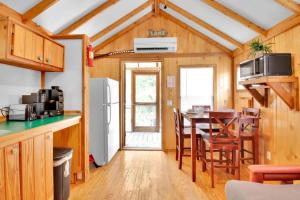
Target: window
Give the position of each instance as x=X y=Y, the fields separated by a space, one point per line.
x=238 y=79
x=196 y=87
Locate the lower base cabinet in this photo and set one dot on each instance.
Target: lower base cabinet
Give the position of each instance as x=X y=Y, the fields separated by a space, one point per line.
x=26 y=169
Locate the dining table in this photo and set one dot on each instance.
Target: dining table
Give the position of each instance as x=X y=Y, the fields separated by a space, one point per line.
x=202 y=118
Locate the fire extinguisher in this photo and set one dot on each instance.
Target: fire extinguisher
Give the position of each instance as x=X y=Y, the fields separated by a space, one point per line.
x=90 y=56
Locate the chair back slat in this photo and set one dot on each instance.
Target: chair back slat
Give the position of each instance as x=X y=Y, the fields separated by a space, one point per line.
x=255 y=112
x=178 y=118
x=226 y=122
x=250 y=120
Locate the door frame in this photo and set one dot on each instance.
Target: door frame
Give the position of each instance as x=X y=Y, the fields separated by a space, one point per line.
x=214 y=66
x=122 y=76
x=157 y=103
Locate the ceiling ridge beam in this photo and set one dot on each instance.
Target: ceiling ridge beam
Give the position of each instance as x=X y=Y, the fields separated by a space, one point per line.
x=124 y=31
x=196 y=32
x=279 y=28
x=230 y=13
x=87 y=17
x=291 y=5
x=38 y=9
x=203 y=24
x=156 y=8
x=120 y=21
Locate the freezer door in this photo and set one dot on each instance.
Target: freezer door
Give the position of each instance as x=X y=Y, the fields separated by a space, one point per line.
x=114 y=131
x=113 y=87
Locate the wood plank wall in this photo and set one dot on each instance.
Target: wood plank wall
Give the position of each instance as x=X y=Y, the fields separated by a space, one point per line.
x=187 y=43
x=280 y=132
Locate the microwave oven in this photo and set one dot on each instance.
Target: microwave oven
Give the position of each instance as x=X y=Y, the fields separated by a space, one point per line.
x=273 y=64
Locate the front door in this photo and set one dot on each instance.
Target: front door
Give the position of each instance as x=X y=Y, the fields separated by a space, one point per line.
x=145 y=98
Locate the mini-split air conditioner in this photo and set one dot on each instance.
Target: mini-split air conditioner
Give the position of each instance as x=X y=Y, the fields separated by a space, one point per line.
x=155 y=45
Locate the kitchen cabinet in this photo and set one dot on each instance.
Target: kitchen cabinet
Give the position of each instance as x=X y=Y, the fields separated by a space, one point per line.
x=26 y=156
x=2 y=175
x=27 y=44
x=18 y=41
x=26 y=169
x=12 y=172
x=49 y=164
x=34 y=45
x=24 y=47
x=53 y=54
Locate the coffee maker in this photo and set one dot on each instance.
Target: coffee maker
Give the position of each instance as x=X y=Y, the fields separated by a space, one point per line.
x=54 y=100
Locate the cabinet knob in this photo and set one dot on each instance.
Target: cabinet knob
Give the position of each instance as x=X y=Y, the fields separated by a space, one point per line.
x=48 y=137
x=48 y=60
x=39 y=57
x=14 y=151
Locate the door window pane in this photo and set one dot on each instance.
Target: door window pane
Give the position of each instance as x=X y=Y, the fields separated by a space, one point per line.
x=145 y=88
x=196 y=87
x=145 y=115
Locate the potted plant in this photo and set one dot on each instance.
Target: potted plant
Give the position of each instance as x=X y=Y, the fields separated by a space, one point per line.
x=257 y=47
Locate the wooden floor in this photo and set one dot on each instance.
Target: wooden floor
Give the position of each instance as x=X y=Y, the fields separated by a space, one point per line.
x=150 y=175
x=145 y=140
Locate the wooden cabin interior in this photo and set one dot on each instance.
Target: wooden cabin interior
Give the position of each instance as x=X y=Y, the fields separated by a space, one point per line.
x=149 y=99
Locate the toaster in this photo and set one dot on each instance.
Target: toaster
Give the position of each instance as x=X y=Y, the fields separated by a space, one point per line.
x=21 y=112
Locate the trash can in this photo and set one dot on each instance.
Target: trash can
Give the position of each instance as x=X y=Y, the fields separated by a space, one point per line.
x=61 y=172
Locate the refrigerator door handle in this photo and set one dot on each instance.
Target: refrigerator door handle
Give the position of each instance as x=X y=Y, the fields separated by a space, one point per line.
x=109 y=114
x=109 y=93
x=109 y=104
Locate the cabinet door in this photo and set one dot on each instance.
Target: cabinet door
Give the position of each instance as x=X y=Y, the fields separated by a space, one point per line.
x=53 y=54
x=2 y=176
x=49 y=165
x=39 y=167
x=12 y=172
x=34 y=45
x=27 y=169
x=18 y=41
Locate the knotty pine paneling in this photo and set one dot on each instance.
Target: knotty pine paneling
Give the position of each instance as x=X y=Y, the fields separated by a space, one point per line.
x=279 y=125
x=187 y=43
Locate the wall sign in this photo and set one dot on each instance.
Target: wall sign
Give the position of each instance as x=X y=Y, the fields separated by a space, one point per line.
x=171 y=81
x=157 y=33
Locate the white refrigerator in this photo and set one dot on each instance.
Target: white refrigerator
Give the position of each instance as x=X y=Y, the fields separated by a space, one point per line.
x=104 y=119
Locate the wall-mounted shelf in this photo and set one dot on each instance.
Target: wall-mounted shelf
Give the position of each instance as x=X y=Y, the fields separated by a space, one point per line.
x=286 y=87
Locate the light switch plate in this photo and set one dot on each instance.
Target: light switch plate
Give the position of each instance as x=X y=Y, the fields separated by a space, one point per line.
x=170 y=103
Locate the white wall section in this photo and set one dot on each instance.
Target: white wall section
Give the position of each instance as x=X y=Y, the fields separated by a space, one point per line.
x=15 y=82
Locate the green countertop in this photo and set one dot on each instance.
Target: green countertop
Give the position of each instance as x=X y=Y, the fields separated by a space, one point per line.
x=10 y=127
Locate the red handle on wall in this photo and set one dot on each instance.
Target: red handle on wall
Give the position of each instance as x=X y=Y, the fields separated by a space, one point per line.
x=90 y=55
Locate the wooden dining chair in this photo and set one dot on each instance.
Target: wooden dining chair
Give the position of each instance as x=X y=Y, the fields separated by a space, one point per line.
x=249 y=130
x=225 y=140
x=183 y=133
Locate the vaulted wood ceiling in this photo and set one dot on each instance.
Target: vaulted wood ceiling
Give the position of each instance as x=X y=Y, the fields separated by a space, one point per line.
x=227 y=23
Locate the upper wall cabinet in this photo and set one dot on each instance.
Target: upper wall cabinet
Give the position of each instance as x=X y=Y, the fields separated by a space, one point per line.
x=22 y=46
x=53 y=53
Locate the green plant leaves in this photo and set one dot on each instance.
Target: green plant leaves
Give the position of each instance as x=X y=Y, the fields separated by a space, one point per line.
x=257 y=46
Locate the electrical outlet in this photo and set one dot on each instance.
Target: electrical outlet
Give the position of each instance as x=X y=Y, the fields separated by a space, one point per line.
x=170 y=103
x=268 y=155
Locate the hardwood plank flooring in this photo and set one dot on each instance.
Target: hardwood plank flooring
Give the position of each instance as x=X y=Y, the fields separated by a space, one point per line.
x=150 y=175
